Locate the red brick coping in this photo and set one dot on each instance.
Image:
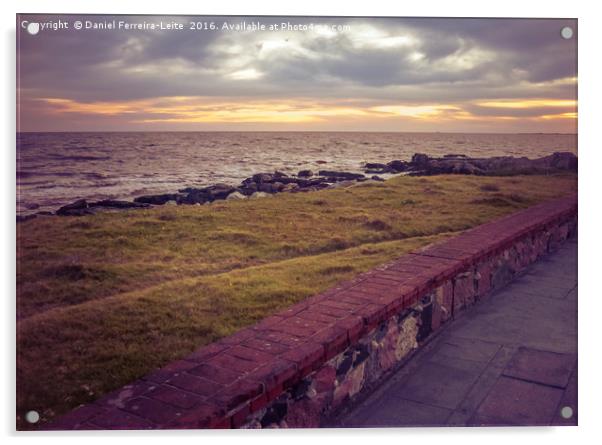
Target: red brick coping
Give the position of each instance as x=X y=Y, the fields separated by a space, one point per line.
x=297 y=366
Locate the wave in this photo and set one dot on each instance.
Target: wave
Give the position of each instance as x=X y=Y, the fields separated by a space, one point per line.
x=79 y=158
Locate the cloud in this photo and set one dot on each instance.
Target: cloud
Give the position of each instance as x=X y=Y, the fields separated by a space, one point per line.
x=390 y=62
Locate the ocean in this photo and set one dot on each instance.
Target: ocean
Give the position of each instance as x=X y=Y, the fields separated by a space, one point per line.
x=54 y=169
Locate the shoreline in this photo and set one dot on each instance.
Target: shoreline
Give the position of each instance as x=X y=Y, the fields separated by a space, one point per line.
x=261 y=185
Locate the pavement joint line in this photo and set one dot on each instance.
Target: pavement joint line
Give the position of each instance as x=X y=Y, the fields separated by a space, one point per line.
x=532 y=381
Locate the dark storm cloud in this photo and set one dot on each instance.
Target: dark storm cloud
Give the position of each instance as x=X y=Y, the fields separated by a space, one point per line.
x=101 y=64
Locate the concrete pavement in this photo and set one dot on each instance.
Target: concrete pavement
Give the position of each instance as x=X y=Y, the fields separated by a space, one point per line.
x=509 y=360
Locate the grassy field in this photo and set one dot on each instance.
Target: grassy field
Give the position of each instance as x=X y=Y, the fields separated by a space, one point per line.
x=104 y=299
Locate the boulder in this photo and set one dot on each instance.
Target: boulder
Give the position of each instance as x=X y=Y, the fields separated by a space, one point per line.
x=342 y=184
x=305 y=174
x=277 y=187
x=377 y=178
x=398 y=166
x=258 y=195
x=290 y=187
x=265 y=187
x=454 y=155
x=118 y=204
x=219 y=191
x=375 y=166
x=495 y=166
x=261 y=178
x=339 y=176
x=247 y=190
x=157 y=199
x=420 y=160
x=235 y=196
x=191 y=190
x=76 y=208
x=23 y=218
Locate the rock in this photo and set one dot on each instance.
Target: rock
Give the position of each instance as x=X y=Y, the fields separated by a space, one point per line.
x=306 y=182
x=398 y=166
x=248 y=190
x=290 y=187
x=191 y=190
x=277 y=187
x=45 y=213
x=76 y=208
x=321 y=162
x=288 y=180
x=171 y=203
x=279 y=175
x=453 y=155
x=265 y=187
x=261 y=178
x=198 y=196
x=420 y=160
x=258 y=195
x=114 y=203
x=495 y=166
x=23 y=218
x=305 y=174
x=561 y=161
x=339 y=176
x=377 y=178
x=375 y=165
x=466 y=168
x=342 y=184
x=76 y=212
x=235 y=196
x=219 y=191
x=157 y=199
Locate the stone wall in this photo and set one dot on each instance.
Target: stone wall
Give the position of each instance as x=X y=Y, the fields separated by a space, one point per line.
x=298 y=367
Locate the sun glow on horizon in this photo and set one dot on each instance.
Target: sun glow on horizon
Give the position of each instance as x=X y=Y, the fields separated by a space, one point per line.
x=214 y=110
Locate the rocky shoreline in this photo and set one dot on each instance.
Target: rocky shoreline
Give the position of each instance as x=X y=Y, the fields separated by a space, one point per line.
x=263 y=185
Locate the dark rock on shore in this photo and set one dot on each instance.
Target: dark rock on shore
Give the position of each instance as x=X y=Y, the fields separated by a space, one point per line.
x=23 y=218
x=76 y=208
x=420 y=160
x=157 y=199
x=266 y=184
x=118 y=204
x=398 y=166
x=340 y=176
x=376 y=167
x=83 y=207
x=495 y=166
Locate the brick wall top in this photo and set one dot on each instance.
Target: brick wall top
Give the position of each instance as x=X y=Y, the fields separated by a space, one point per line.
x=218 y=385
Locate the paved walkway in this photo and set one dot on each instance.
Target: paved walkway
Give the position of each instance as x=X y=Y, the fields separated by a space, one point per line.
x=509 y=360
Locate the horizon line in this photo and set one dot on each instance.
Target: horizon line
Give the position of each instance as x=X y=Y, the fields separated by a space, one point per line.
x=292 y=131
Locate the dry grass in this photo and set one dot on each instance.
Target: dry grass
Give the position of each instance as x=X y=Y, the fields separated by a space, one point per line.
x=104 y=299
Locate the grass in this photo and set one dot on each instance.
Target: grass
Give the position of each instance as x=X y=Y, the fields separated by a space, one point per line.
x=104 y=299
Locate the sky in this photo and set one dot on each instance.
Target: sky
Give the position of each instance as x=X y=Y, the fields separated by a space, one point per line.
x=341 y=74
